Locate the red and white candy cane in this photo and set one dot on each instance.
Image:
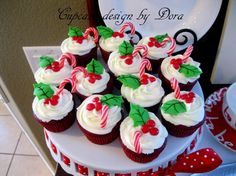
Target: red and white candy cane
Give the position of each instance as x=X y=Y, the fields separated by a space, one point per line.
x=137 y=136
x=76 y=70
x=94 y=31
x=187 y=53
x=104 y=118
x=145 y=63
x=68 y=56
x=172 y=46
x=139 y=48
x=63 y=83
x=175 y=86
x=125 y=25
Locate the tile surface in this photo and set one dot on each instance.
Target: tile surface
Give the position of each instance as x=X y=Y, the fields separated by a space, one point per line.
x=9 y=134
x=28 y=166
x=4 y=163
x=25 y=147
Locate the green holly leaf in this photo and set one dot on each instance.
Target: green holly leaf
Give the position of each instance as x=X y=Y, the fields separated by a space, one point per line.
x=45 y=61
x=138 y=114
x=74 y=32
x=129 y=81
x=189 y=70
x=173 y=107
x=111 y=100
x=160 y=38
x=43 y=91
x=125 y=48
x=105 y=32
x=95 y=67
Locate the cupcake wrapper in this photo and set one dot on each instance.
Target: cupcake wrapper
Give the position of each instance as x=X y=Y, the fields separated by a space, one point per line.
x=102 y=139
x=105 y=55
x=58 y=125
x=109 y=89
x=155 y=65
x=167 y=86
x=143 y=158
x=180 y=130
x=85 y=59
x=117 y=83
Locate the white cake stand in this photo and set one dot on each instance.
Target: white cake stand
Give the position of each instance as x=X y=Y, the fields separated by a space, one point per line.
x=79 y=157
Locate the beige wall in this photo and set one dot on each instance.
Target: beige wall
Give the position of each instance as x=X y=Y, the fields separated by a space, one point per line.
x=30 y=23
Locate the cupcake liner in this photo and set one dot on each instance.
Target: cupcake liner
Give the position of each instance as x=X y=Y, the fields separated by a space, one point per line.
x=102 y=139
x=85 y=59
x=109 y=89
x=58 y=125
x=143 y=158
x=155 y=65
x=116 y=83
x=105 y=54
x=167 y=86
x=180 y=130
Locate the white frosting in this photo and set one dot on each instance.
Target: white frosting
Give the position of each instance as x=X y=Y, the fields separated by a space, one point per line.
x=90 y=120
x=169 y=71
x=148 y=143
x=49 y=112
x=154 y=52
x=195 y=111
x=145 y=95
x=86 y=88
x=119 y=67
x=71 y=46
x=48 y=76
x=112 y=43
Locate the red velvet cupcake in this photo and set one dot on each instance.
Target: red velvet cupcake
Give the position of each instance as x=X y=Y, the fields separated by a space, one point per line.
x=99 y=118
x=143 y=137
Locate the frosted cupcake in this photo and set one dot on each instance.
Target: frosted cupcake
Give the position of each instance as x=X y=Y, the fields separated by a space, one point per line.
x=159 y=47
x=146 y=91
x=53 y=71
x=110 y=40
x=82 y=45
x=92 y=80
x=99 y=118
x=182 y=113
x=142 y=135
x=183 y=68
x=53 y=107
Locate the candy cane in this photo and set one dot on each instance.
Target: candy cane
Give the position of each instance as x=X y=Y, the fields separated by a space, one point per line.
x=68 y=56
x=139 y=48
x=175 y=86
x=94 y=31
x=125 y=25
x=187 y=53
x=63 y=83
x=145 y=63
x=137 y=136
x=104 y=118
x=172 y=46
x=76 y=70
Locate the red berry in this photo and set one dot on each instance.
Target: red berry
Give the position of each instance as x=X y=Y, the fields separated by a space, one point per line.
x=98 y=77
x=80 y=39
x=123 y=57
x=90 y=106
x=150 y=44
x=92 y=80
x=152 y=39
x=151 y=123
x=157 y=44
x=55 y=97
x=55 y=66
x=145 y=76
x=48 y=67
x=46 y=101
x=98 y=106
x=115 y=34
x=154 y=131
x=191 y=94
x=152 y=79
x=176 y=63
x=121 y=35
x=74 y=38
x=129 y=56
x=144 y=81
x=145 y=128
x=129 y=61
x=54 y=102
x=95 y=99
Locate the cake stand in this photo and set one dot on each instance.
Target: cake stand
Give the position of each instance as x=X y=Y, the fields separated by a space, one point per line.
x=78 y=156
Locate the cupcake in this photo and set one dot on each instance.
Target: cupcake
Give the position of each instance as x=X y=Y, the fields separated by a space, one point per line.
x=81 y=45
x=99 y=118
x=159 y=47
x=183 y=68
x=53 y=107
x=110 y=40
x=146 y=92
x=92 y=80
x=182 y=112
x=53 y=71
x=143 y=137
